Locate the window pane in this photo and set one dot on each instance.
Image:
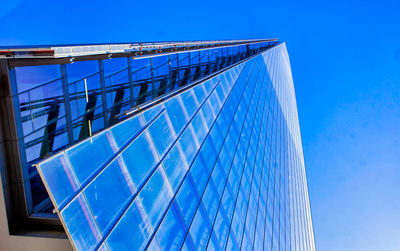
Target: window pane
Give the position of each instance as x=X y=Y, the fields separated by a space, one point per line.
x=126 y=130
x=155 y=196
x=140 y=157
x=60 y=178
x=171 y=231
x=108 y=193
x=162 y=133
x=87 y=157
x=132 y=231
x=80 y=224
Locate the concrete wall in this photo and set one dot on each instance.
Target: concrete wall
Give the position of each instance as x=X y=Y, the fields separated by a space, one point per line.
x=16 y=242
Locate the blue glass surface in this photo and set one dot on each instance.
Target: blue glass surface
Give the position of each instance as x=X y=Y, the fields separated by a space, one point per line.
x=140 y=157
x=172 y=230
x=80 y=224
x=126 y=130
x=176 y=114
x=58 y=172
x=150 y=114
x=187 y=199
x=188 y=99
x=175 y=166
x=112 y=66
x=30 y=76
x=200 y=229
x=162 y=133
x=109 y=192
x=132 y=232
x=199 y=126
x=207 y=172
x=156 y=195
x=188 y=145
x=81 y=69
x=96 y=151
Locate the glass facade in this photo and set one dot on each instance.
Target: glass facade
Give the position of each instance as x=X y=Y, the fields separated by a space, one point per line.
x=60 y=105
x=217 y=166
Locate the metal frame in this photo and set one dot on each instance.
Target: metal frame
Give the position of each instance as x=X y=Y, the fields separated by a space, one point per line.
x=62 y=51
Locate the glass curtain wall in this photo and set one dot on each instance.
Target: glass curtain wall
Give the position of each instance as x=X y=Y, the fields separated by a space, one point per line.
x=61 y=105
x=218 y=166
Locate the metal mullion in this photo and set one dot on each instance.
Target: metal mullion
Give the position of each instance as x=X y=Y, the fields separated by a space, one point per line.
x=131 y=91
x=190 y=68
x=24 y=184
x=171 y=83
x=153 y=91
x=67 y=104
x=178 y=70
x=103 y=94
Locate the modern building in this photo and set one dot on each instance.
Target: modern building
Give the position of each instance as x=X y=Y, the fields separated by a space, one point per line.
x=159 y=146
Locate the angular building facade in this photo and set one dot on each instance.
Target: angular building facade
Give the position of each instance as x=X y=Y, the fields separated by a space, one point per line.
x=191 y=145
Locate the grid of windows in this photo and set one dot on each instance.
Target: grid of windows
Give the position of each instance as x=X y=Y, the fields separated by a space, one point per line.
x=62 y=104
x=218 y=166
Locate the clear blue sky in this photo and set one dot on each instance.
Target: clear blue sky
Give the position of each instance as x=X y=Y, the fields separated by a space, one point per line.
x=345 y=59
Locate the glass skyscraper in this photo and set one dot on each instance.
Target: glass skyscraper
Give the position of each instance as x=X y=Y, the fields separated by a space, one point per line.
x=159 y=146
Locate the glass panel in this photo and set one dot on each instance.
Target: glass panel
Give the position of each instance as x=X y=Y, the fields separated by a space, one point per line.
x=60 y=178
x=175 y=166
x=171 y=231
x=187 y=199
x=109 y=192
x=29 y=77
x=190 y=103
x=188 y=145
x=150 y=114
x=162 y=133
x=81 y=69
x=88 y=156
x=200 y=229
x=176 y=114
x=80 y=224
x=126 y=130
x=140 y=158
x=132 y=231
x=155 y=196
x=39 y=193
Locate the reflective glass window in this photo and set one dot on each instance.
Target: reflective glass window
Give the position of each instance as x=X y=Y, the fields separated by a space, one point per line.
x=140 y=158
x=80 y=224
x=156 y=195
x=108 y=193
x=96 y=151
x=58 y=172
x=133 y=230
